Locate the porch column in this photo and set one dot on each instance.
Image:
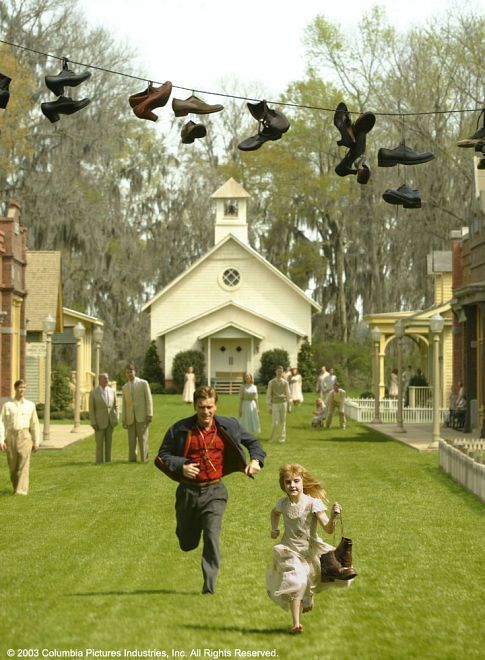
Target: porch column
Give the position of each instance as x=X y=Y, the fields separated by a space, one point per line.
x=380 y=375
x=208 y=361
x=251 y=361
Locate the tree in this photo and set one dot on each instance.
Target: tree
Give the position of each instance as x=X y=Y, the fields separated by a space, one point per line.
x=103 y=189
x=181 y=363
x=61 y=392
x=306 y=366
x=152 y=371
x=270 y=360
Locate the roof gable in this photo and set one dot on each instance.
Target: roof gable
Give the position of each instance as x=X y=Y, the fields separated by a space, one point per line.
x=208 y=312
x=252 y=252
x=230 y=189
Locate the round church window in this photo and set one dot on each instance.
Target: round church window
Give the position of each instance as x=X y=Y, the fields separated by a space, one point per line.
x=231 y=277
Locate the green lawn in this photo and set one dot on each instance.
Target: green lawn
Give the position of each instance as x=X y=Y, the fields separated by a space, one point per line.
x=89 y=560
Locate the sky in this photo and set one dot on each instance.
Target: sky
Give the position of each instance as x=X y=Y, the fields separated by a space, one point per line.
x=214 y=45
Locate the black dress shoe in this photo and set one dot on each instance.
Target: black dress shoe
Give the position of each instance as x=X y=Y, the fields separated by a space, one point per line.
x=405 y=196
x=4 y=93
x=191 y=130
x=258 y=110
x=276 y=120
x=62 y=106
x=402 y=155
x=269 y=117
x=481 y=164
x=345 y=166
x=364 y=123
x=341 y=120
x=65 y=77
x=256 y=141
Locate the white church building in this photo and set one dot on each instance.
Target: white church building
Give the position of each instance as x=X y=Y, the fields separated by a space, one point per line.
x=231 y=304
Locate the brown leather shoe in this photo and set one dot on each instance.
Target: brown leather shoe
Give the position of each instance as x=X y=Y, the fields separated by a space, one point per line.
x=343 y=552
x=135 y=99
x=154 y=97
x=194 y=105
x=191 y=130
x=332 y=569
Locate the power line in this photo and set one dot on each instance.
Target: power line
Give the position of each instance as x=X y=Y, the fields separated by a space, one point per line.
x=234 y=96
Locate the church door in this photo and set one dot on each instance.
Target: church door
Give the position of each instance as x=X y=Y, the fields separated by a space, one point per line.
x=231 y=359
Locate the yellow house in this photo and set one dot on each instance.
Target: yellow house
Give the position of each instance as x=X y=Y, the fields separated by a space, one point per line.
x=417 y=328
x=44 y=298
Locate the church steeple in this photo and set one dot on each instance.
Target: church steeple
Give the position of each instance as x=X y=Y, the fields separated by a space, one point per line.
x=231 y=211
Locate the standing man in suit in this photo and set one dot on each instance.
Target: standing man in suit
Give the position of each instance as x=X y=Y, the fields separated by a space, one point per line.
x=103 y=413
x=137 y=413
x=19 y=436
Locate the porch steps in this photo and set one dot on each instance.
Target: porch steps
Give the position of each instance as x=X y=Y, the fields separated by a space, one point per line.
x=228 y=386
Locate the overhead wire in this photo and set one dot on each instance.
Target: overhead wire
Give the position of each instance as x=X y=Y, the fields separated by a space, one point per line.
x=234 y=96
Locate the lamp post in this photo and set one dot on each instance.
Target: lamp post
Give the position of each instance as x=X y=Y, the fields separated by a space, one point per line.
x=3 y=316
x=436 y=325
x=399 y=331
x=376 y=340
x=98 y=338
x=78 y=332
x=49 y=325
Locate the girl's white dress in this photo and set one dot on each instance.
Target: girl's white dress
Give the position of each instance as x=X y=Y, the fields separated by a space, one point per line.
x=248 y=394
x=394 y=386
x=295 y=570
x=189 y=388
x=295 y=387
x=319 y=415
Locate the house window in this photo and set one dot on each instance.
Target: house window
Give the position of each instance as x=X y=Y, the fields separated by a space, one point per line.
x=231 y=277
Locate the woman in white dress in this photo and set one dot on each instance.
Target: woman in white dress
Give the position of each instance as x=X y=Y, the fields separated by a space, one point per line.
x=248 y=405
x=296 y=383
x=189 y=386
x=295 y=574
x=394 y=385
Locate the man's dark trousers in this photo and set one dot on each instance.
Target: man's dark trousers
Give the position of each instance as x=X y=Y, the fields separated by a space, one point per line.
x=199 y=510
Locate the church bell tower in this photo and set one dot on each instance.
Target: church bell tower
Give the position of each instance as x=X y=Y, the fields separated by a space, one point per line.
x=231 y=211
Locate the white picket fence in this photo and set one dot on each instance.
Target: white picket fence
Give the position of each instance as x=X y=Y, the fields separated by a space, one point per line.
x=362 y=410
x=463 y=460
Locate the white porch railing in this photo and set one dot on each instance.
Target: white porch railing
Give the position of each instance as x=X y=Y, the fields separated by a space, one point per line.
x=362 y=410
x=463 y=460
x=420 y=397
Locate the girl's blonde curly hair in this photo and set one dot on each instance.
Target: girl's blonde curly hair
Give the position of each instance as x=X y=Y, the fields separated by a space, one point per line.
x=311 y=485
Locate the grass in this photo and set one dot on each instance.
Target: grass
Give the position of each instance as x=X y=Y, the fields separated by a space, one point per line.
x=89 y=560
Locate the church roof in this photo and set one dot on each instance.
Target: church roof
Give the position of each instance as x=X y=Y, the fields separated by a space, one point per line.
x=230 y=190
x=252 y=252
x=230 y=303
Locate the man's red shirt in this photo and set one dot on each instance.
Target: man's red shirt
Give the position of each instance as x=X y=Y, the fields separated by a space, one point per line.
x=206 y=448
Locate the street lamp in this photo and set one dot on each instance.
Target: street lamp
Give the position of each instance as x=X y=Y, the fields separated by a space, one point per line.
x=49 y=325
x=3 y=316
x=78 y=331
x=436 y=325
x=399 y=331
x=98 y=338
x=376 y=340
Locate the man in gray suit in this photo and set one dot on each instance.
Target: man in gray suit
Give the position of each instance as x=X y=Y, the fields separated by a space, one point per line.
x=137 y=413
x=103 y=413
